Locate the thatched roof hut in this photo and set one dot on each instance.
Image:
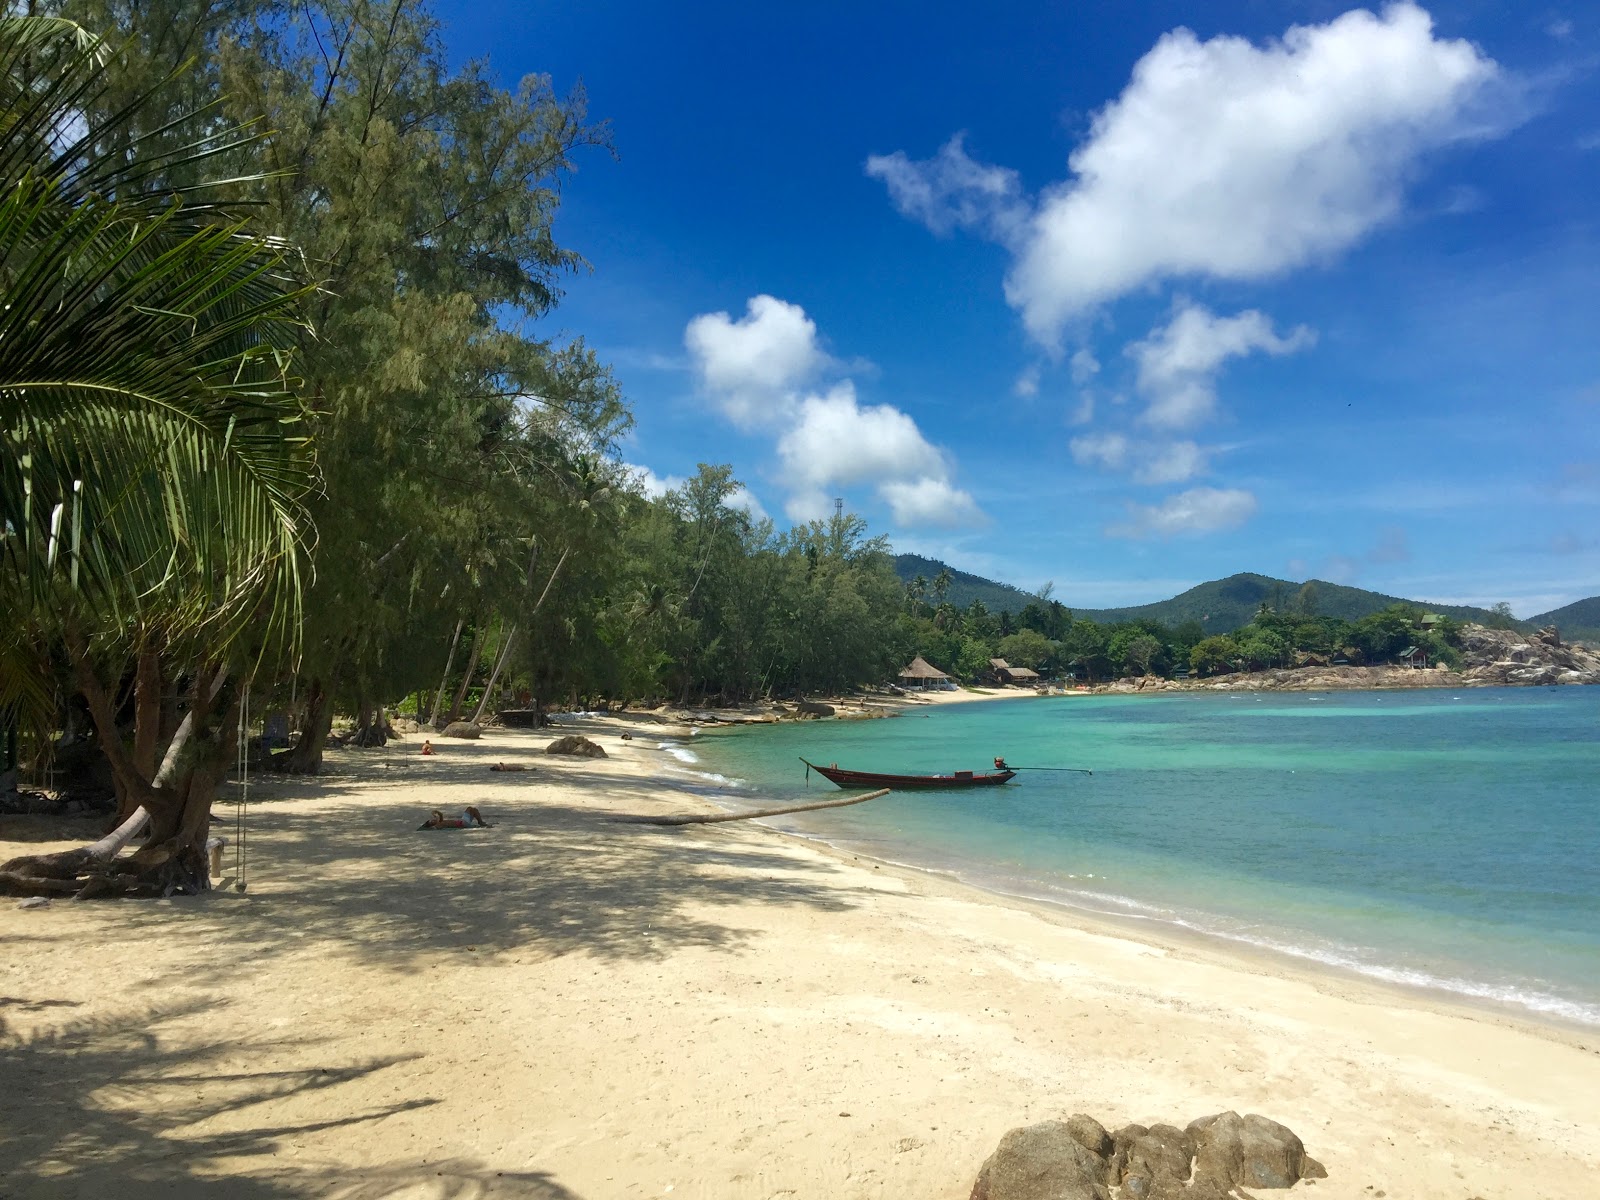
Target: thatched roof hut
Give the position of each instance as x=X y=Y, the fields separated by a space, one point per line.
x=922 y=671
x=1004 y=672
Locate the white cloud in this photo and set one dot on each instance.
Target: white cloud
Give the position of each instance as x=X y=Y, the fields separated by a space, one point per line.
x=744 y=499
x=951 y=191
x=1027 y=383
x=930 y=503
x=1198 y=510
x=753 y=366
x=1085 y=366
x=762 y=370
x=836 y=442
x=1150 y=462
x=1220 y=159
x=1226 y=159
x=648 y=484
x=1178 y=362
x=1170 y=462
x=1108 y=450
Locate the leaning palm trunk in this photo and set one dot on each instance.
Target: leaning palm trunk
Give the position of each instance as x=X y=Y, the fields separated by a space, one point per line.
x=505 y=649
x=449 y=663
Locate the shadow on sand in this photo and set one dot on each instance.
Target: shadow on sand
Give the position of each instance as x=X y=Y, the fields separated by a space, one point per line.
x=110 y=1108
x=126 y=1105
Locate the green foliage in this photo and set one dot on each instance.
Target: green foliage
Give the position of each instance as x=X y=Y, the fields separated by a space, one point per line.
x=1026 y=648
x=1213 y=655
x=155 y=462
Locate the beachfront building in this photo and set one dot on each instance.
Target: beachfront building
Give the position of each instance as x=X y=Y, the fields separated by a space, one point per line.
x=1003 y=673
x=923 y=674
x=1414 y=657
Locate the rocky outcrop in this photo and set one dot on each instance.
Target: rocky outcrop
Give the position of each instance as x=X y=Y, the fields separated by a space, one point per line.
x=576 y=745
x=463 y=729
x=1506 y=657
x=813 y=708
x=1211 y=1159
x=1490 y=658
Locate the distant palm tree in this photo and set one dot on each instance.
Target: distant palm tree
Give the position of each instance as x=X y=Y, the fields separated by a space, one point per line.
x=941 y=584
x=918 y=591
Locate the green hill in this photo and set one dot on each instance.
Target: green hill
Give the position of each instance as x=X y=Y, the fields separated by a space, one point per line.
x=964 y=588
x=1578 y=621
x=1221 y=606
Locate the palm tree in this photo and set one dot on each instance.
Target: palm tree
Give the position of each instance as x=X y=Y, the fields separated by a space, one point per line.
x=941 y=584
x=918 y=589
x=153 y=466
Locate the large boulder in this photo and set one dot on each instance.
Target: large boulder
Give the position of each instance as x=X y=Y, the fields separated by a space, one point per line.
x=1153 y=1163
x=577 y=745
x=813 y=708
x=1043 y=1162
x=463 y=729
x=1078 y=1160
x=1250 y=1151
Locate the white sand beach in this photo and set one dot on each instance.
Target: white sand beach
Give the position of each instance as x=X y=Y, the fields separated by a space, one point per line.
x=564 y=1006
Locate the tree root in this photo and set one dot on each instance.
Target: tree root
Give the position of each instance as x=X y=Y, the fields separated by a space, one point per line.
x=95 y=870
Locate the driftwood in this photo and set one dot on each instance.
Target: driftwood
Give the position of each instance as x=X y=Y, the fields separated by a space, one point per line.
x=716 y=818
x=36 y=874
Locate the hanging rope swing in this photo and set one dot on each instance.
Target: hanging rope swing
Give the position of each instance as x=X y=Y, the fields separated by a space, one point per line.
x=240 y=855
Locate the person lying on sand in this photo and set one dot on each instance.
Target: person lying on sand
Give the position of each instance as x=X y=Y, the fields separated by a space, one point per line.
x=470 y=818
x=500 y=766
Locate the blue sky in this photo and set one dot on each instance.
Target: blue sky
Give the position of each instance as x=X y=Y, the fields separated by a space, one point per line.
x=1119 y=296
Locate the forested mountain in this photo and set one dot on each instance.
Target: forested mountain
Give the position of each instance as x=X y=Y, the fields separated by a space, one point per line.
x=1578 y=621
x=1221 y=605
x=963 y=588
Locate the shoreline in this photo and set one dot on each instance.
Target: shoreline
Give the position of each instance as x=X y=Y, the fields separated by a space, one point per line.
x=567 y=1008
x=1554 y=1012
x=1171 y=935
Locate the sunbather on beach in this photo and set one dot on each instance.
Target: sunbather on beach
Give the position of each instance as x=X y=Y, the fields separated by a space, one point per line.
x=470 y=817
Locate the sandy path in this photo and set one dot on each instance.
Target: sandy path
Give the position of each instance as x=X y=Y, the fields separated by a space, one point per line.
x=568 y=1007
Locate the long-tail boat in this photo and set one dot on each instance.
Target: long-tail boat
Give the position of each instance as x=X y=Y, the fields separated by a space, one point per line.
x=872 y=779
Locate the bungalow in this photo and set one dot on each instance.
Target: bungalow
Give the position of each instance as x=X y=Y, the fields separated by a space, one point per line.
x=1003 y=673
x=923 y=674
x=1414 y=657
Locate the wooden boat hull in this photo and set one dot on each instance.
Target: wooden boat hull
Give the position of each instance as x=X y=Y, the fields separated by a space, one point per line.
x=899 y=783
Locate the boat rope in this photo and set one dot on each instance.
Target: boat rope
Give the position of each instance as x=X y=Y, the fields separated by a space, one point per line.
x=1074 y=770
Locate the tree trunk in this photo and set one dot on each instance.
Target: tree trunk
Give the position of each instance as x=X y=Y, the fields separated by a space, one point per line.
x=505 y=650
x=177 y=799
x=494 y=676
x=466 y=679
x=450 y=661
x=372 y=726
x=306 y=757
x=147 y=708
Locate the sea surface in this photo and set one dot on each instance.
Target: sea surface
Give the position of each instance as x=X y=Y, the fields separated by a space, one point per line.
x=1445 y=841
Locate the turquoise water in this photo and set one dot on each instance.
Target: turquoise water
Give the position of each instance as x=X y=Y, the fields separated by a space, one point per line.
x=1441 y=840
